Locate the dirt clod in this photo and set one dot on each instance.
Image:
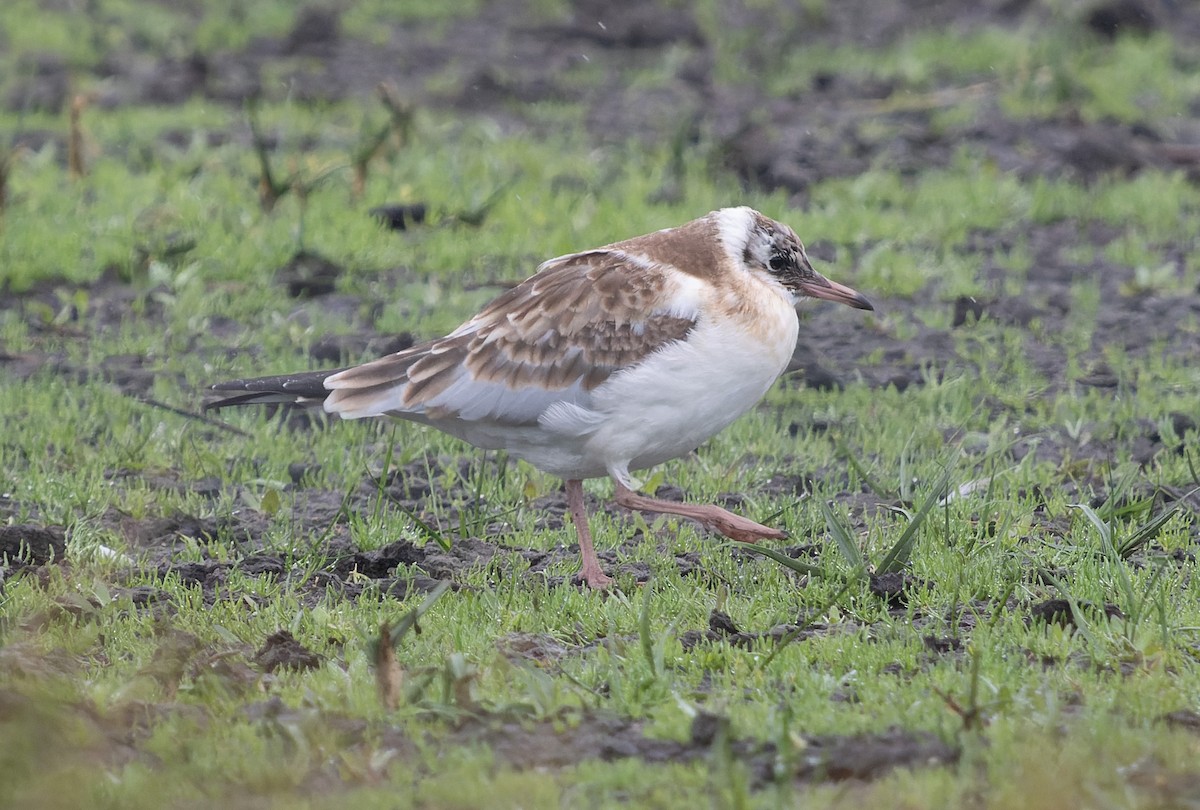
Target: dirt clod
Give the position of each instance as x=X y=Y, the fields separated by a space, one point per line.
x=25 y=544
x=309 y=275
x=895 y=587
x=719 y=622
x=281 y=650
x=1058 y=611
x=398 y=216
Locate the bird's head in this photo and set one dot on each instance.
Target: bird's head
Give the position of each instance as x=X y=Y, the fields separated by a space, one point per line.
x=774 y=252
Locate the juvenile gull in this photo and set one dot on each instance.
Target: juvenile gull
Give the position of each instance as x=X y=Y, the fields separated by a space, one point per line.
x=602 y=362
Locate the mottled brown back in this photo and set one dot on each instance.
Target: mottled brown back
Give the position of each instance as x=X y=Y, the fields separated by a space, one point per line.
x=579 y=320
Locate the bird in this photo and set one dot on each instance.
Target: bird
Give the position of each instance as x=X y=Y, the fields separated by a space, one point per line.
x=601 y=363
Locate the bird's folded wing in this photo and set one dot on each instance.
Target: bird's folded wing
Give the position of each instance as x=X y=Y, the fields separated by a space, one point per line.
x=551 y=339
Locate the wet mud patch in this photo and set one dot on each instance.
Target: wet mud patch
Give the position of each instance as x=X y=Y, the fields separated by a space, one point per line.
x=506 y=57
x=431 y=560
x=121 y=735
x=1060 y=612
x=1142 y=324
x=25 y=545
x=548 y=744
x=822 y=136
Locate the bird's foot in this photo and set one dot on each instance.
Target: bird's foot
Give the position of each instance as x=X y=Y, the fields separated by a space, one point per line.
x=736 y=527
x=594 y=577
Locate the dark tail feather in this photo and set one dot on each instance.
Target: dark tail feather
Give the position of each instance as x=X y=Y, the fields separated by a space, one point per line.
x=302 y=388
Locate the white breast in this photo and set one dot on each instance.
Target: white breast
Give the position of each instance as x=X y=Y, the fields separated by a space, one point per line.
x=672 y=402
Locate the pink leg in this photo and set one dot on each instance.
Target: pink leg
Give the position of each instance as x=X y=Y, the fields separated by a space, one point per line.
x=589 y=569
x=711 y=516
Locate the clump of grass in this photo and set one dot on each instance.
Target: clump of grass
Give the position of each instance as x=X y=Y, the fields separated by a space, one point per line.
x=389 y=673
x=894 y=560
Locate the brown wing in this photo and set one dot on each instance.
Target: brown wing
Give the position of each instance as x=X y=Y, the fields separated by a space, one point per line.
x=554 y=337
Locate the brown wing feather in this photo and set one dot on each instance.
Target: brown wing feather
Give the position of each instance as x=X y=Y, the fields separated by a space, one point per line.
x=584 y=317
x=578 y=320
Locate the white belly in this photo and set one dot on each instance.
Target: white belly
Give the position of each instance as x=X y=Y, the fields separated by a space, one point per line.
x=669 y=404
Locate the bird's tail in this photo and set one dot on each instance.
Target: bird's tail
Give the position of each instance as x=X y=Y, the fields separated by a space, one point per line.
x=302 y=388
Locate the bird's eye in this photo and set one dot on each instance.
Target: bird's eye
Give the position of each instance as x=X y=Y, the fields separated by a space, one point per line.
x=777 y=263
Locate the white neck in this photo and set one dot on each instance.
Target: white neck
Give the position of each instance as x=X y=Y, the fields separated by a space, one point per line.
x=733 y=228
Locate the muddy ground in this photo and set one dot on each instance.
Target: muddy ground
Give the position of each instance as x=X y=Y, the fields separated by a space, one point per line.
x=505 y=63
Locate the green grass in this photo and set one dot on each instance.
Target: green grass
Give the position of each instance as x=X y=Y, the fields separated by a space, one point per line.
x=106 y=703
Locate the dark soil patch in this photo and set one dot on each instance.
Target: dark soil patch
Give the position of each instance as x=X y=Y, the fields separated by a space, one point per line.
x=895 y=587
x=23 y=545
x=547 y=744
x=941 y=645
x=721 y=629
x=538 y=647
x=1185 y=719
x=400 y=216
x=309 y=275
x=1058 y=611
x=281 y=650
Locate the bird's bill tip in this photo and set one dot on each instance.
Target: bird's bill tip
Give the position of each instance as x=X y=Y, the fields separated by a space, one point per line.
x=821 y=287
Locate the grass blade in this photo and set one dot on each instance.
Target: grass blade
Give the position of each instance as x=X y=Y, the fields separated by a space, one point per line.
x=424 y=529
x=409 y=620
x=1148 y=530
x=898 y=555
x=1119 y=502
x=644 y=632
x=1100 y=523
x=844 y=453
x=843 y=538
x=781 y=558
